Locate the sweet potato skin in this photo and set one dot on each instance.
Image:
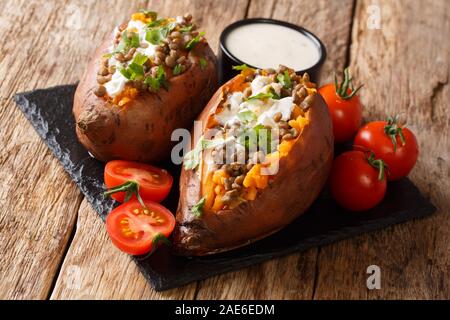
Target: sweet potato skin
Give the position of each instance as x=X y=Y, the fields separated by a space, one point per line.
x=141 y=131
x=301 y=177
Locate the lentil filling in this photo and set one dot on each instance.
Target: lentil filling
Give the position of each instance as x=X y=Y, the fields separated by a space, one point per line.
x=147 y=52
x=260 y=117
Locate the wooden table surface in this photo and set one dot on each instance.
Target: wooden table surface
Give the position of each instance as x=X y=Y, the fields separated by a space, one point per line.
x=54 y=246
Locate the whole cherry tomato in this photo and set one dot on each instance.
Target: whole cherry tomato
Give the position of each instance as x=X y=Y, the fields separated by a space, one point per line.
x=344 y=106
x=396 y=145
x=357 y=180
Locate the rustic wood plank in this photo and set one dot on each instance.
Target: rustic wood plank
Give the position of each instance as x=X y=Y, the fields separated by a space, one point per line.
x=38 y=201
x=405 y=66
x=104 y=271
x=292 y=277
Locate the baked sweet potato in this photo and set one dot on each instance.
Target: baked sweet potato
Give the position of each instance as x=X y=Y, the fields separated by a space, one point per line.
x=229 y=199
x=151 y=77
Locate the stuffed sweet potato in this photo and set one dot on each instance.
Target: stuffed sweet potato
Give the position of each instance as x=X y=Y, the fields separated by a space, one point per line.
x=152 y=76
x=262 y=159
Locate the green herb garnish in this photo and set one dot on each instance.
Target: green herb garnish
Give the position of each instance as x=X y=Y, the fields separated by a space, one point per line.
x=135 y=71
x=154 y=36
x=265 y=95
x=203 y=64
x=260 y=96
x=177 y=70
x=191 y=44
x=165 y=31
x=258 y=137
x=241 y=67
x=156 y=23
x=155 y=83
x=126 y=43
x=161 y=76
x=186 y=29
x=152 y=83
x=149 y=14
x=197 y=209
x=285 y=80
x=246 y=116
x=157 y=33
x=192 y=158
x=126 y=73
x=140 y=59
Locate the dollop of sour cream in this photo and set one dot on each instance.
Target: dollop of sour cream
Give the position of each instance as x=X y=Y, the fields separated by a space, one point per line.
x=263 y=109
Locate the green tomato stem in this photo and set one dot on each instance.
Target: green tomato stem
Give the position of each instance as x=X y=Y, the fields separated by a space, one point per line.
x=130 y=188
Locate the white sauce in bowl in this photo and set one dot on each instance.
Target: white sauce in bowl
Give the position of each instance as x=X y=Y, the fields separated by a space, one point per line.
x=267 y=45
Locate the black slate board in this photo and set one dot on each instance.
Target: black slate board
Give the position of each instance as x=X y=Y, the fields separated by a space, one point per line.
x=50 y=113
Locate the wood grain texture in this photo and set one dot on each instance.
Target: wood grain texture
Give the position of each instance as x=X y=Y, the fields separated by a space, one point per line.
x=291 y=277
x=105 y=272
x=38 y=201
x=405 y=66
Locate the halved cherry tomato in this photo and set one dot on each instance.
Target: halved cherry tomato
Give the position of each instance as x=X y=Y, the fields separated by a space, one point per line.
x=396 y=145
x=357 y=181
x=153 y=183
x=345 y=108
x=133 y=228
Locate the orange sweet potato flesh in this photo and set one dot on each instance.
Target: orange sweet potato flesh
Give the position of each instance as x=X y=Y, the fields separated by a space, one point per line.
x=301 y=176
x=141 y=130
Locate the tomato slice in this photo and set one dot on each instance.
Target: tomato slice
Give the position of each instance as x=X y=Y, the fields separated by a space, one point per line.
x=133 y=228
x=154 y=183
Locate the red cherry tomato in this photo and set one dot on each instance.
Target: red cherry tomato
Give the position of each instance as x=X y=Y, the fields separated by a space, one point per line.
x=357 y=181
x=345 y=109
x=126 y=176
x=396 y=145
x=134 y=229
